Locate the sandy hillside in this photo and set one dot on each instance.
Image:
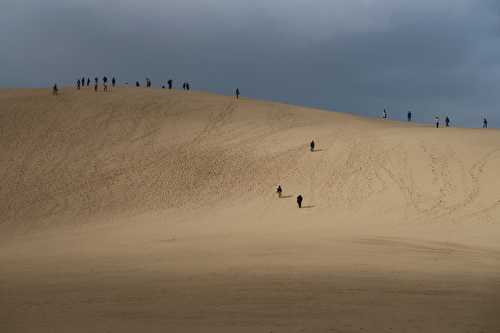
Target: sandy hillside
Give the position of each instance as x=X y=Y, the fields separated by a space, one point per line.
x=153 y=210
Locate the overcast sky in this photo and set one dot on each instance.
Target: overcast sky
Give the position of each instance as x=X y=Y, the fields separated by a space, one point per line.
x=434 y=57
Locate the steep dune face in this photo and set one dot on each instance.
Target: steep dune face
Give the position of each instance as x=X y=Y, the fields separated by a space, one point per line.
x=81 y=155
x=151 y=209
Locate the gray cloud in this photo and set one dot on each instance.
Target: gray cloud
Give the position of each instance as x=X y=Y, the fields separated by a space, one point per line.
x=433 y=57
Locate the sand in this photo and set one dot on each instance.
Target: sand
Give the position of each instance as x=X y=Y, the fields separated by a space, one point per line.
x=154 y=211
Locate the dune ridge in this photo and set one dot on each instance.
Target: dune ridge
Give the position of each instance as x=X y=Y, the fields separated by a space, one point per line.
x=152 y=208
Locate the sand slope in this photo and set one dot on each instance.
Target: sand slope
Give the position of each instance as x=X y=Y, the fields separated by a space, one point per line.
x=155 y=210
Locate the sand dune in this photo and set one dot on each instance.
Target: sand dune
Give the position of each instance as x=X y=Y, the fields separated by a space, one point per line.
x=155 y=210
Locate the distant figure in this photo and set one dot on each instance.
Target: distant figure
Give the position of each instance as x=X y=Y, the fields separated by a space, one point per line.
x=187 y=86
x=184 y=86
x=299 y=201
x=96 y=84
x=385 y=114
x=55 y=90
x=148 y=83
x=279 y=190
x=436 y=119
x=163 y=87
x=105 y=83
x=78 y=84
x=409 y=115
x=447 y=121
x=312 y=145
x=88 y=82
x=113 y=82
x=485 y=123
x=169 y=84
x=83 y=81
x=237 y=93
x=137 y=84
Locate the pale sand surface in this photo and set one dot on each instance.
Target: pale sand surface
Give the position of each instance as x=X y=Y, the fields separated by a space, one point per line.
x=154 y=211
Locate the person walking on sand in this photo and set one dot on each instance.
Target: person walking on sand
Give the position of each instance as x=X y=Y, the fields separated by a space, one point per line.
x=237 y=93
x=485 y=123
x=105 y=83
x=436 y=119
x=279 y=190
x=83 y=81
x=78 y=84
x=88 y=82
x=447 y=121
x=187 y=86
x=299 y=201
x=385 y=114
x=55 y=90
x=169 y=84
x=113 y=82
x=409 y=116
x=312 y=145
x=96 y=84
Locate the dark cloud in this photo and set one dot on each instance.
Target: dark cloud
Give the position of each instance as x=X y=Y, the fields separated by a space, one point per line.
x=433 y=57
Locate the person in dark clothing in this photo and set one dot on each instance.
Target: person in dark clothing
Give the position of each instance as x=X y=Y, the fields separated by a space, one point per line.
x=299 y=201
x=237 y=93
x=184 y=86
x=409 y=115
x=436 y=119
x=88 y=82
x=187 y=86
x=83 y=81
x=78 y=84
x=137 y=84
x=169 y=84
x=55 y=90
x=447 y=121
x=279 y=190
x=105 y=83
x=312 y=145
x=163 y=87
x=385 y=116
x=485 y=123
x=113 y=82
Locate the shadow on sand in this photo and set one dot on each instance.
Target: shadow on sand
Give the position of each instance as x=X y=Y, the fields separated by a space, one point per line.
x=286 y=196
x=309 y=206
x=317 y=150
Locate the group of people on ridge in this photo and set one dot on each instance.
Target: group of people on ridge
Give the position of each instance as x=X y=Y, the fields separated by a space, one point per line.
x=81 y=83
x=447 y=120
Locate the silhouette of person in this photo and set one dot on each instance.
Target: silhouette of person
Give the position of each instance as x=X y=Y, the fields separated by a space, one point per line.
x=137 y=84
x=187 y=86
x=436 y=119
x=78 y=84
x=409 y=115
x=113 y=81
x=88 y=82
x=184 y=86
x=237 y=93
x=163 y=87
x=105 y=83
x=279 y=190
x=385 y=114
x=55 y=90
x=83 y=81
x=96 y=84
x=299 y=201
x=447 y=121
x=169 y=84
x=312 y=145
x=485 y=123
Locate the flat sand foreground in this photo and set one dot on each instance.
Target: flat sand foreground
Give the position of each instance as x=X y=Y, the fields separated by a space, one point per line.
x=153 y=210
